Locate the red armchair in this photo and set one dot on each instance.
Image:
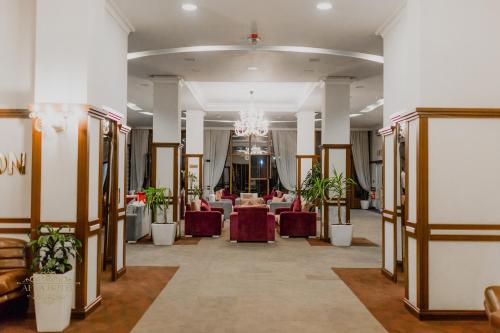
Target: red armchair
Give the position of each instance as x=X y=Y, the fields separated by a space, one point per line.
x=296 y=223
x=252 y=224
x=228 y=196
x=205 y=223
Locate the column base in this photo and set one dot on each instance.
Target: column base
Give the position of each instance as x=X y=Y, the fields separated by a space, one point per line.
x=444 y=314
x=82 y=314
x=389 y=275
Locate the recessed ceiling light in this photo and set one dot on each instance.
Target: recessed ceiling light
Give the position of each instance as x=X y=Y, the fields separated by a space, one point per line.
x=324 y=6
x=147 y=113
x=190 y=7
x=133 y=106
x=354 y=115
x=253 y=68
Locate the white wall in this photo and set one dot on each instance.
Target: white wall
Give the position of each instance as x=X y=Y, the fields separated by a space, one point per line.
x=442 y=54
x=396 y=72
x=108 y=65
x=459 y=53
x=84 y=62
x=15 y=200
x=17 y=44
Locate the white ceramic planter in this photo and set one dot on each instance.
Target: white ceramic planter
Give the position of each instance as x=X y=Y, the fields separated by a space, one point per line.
x=53 y=295
x=341 y=234
x=365 y=204
x=164 y=233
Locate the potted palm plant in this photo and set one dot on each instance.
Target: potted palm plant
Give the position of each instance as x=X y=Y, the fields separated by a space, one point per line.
x=163 y=231
x=314 y=189
x=340 y=232
x=54 y=253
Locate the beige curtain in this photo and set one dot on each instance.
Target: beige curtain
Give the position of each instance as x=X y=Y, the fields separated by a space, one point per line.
x=285 y=151
x=361 y=158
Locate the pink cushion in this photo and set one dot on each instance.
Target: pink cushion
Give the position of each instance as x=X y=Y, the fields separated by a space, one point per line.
x=296 y=205
x=205 y=207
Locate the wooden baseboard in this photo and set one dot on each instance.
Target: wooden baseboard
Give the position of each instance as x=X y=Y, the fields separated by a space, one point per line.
x=444 y=314
x=389 y=275
x=82 y=314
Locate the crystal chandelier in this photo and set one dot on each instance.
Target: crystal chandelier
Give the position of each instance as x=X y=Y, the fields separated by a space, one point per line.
x=251 y=122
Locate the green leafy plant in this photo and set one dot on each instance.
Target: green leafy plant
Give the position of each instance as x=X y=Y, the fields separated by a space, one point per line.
x=340 y=187
x=364 y=195
x=53 y=250
x=314 y=188
x=157 y=198
x=194 y=190
x=197 y=192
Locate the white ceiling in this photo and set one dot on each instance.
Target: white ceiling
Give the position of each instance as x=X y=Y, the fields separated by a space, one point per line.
x=221 y=80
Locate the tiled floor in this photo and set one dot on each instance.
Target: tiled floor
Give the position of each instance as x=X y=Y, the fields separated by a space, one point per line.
x=258 y=287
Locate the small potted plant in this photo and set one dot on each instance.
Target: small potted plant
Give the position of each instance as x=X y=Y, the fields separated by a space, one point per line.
x=340 y=232
x=54 y=253
x=163 y=231
x=365 y=199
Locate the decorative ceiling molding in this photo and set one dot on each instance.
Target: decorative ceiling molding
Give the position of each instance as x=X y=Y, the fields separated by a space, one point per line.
x=197 y=94
x=391 y=21
x=292 y=107
x=310 y=89
x=120 y=18
x=256 y=48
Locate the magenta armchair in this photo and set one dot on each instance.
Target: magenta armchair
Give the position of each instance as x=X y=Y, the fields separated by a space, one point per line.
x=203 y=223
x=252 y=224
x=296 y=224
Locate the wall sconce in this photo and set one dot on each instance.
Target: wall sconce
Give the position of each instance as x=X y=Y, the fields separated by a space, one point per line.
x=49 y=119
x=105 y=126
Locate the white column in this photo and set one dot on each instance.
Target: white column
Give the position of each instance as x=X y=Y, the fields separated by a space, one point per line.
x=305 y=142
x=167 y=137
x=80 y=59
x=194 y=145
x=335 y=134
x=167 y=109
x=194 y=131
x=336 y=124
x=422 y=54
x=434 y=60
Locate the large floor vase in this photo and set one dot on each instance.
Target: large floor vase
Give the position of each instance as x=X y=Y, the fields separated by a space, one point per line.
x=53 y=294
x=164 y=233
x=341 y=234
